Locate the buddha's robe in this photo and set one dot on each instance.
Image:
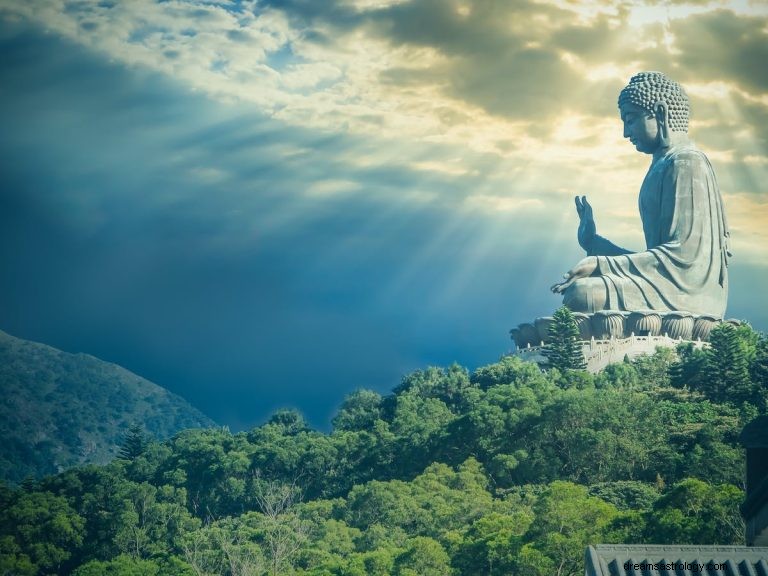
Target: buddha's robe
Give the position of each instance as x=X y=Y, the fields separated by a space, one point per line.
x=685 y=264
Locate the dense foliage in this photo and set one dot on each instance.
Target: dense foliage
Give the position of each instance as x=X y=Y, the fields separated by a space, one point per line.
x=61 y=409
x=508 y=470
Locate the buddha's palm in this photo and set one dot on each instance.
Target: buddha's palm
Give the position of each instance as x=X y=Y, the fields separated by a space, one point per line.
x=587 y=229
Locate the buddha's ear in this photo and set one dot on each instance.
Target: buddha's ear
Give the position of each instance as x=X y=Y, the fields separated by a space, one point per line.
x=661 y=112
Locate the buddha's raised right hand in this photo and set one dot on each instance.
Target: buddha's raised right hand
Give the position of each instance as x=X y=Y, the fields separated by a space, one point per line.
x=587 y=229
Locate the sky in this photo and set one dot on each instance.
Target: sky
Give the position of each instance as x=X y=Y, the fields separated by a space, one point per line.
x=270 y=204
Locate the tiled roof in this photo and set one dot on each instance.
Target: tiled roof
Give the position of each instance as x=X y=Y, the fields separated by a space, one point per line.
x=659 y=560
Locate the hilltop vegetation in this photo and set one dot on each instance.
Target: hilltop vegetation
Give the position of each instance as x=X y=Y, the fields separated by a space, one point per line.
x=61 y=409
x=507 y=470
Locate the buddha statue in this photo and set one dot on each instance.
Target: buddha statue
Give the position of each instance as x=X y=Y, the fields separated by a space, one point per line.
x=685 y=264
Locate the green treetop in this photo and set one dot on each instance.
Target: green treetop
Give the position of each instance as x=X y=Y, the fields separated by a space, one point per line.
x=564 y=350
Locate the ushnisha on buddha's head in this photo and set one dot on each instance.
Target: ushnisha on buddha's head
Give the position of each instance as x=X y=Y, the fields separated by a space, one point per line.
x=655 y=111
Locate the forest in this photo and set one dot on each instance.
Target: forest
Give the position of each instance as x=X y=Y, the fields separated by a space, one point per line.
x=507 y=469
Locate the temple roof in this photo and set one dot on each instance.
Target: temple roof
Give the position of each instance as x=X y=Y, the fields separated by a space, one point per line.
x=661 y=560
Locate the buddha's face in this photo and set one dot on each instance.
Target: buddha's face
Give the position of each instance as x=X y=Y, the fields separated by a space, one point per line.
x=641 y=127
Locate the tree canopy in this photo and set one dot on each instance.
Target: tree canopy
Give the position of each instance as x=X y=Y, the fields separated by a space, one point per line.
x=505 y=470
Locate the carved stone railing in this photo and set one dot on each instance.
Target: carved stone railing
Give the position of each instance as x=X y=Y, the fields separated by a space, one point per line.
x=610 y=336
x=599 y=353
x=607 y=324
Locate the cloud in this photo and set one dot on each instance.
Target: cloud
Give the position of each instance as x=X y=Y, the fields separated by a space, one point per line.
x=497 y=204
x=530 y=84
x=431 y=69
x=225 y=188
x=747 y=216
x=723 y=46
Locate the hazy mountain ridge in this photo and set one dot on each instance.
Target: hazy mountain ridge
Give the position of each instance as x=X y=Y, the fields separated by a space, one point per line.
x=61 y=409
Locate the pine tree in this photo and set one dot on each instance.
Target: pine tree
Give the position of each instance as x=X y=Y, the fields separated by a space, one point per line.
x=29 y=484
x=690 y=370
x=728 y=360
x=134 y=443
x=564 y=348
x=759 y=372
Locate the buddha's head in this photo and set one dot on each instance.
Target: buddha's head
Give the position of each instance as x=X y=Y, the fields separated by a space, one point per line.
x=652 y=106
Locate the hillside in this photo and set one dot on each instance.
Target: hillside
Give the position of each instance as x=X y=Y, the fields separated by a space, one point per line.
x=61 y=409
x=505 y=470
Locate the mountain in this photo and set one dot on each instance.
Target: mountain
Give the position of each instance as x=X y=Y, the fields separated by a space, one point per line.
x=60 y=410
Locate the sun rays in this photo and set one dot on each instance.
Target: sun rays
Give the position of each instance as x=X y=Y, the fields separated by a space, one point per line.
x=488 y=163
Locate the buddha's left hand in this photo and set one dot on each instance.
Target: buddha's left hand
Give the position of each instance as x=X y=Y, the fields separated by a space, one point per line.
x=583 y=269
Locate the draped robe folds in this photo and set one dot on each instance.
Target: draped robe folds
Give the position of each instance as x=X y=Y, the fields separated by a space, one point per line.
x=685 y=264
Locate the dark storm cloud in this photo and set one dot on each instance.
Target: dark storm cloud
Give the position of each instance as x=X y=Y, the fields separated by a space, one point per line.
x=754 y=116
x=598 y=38
x=508 y=58
x=726 y=122
x=723 y=46
x=491 y=62
x=523 y=84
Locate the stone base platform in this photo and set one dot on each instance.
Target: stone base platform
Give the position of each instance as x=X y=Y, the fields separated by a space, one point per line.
x=599 y=353
x=608 y=336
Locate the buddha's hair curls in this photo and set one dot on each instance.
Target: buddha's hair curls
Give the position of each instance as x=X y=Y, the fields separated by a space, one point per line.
x=646 y=89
